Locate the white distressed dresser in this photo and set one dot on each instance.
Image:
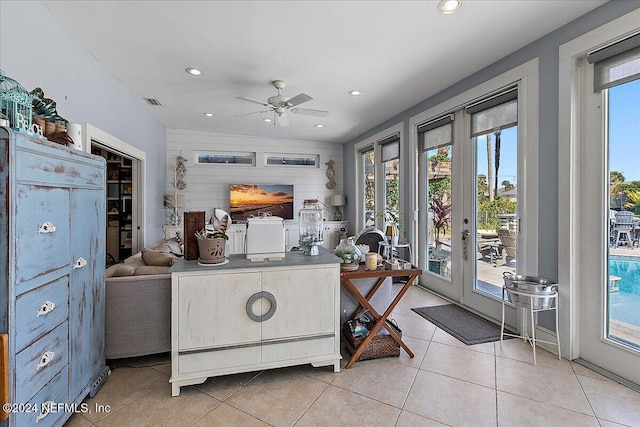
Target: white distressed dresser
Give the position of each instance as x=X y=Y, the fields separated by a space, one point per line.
x=52 y=256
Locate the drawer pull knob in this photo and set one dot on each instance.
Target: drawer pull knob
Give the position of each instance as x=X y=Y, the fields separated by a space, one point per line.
x=45 y=409
x=46 y=227
x=46 y=358
x=255 y=297
x=80 y=262
x=46 y=308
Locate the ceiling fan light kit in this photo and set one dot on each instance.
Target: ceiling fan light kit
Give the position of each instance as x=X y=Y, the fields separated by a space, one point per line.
x=281 y=105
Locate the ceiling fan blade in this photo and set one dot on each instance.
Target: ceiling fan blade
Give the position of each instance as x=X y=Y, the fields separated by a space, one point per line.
x=244 y=98
x=310 y=112
x=255 y=112
x=298 y=99
x=282 y=120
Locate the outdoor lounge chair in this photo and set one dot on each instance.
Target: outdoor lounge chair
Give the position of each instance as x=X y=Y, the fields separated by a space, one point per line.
x=489 y=248
x=508 y=239
x=623 y=228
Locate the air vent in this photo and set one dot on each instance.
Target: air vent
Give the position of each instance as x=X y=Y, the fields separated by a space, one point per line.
x=152 y=101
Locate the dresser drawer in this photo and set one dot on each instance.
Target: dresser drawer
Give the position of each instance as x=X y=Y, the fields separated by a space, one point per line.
x=56 y=171
x=37 y=364
x=39 y=248
x=55 y=391
x=40 y=310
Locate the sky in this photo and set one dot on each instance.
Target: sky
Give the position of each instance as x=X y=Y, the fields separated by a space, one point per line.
x=624 y=137
x=508 y=156
x=624 y=130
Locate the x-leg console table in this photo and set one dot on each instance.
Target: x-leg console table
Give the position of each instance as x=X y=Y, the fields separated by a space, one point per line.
x=381 y=274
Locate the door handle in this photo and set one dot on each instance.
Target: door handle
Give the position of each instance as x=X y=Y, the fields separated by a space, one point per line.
x=465 y=239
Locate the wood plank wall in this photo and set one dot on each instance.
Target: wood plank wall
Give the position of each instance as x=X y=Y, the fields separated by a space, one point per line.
x=208 y=185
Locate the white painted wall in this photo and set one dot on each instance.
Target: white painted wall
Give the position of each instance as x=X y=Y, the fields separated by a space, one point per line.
x=37 y=51
x=208 y=185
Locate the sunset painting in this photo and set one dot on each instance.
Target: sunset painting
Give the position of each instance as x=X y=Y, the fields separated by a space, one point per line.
x=254 y=200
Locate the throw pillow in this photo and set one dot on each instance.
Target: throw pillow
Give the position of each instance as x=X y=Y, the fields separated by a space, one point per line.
x=157 y=258
x=161 y=246
x=174 y=247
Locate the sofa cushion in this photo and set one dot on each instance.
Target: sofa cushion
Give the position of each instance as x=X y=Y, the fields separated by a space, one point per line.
x=154 y=257
x=120 y=270
x=151 y=269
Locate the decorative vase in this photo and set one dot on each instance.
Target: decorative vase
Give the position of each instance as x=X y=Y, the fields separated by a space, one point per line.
x=392 y=233
x=211 y=250
x=349 y=253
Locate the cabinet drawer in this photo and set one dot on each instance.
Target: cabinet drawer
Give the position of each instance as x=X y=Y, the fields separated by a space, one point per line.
x=37 y=364
x=55 y=391
x=41 y=250
x=41 y=310
x=218 y=359
x=58 y=172
x=272 y=352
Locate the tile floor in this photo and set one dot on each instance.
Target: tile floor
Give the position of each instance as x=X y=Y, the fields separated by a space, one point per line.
x=447 y=383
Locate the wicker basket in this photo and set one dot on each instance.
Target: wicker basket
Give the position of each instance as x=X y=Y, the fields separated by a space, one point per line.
x=380 y=346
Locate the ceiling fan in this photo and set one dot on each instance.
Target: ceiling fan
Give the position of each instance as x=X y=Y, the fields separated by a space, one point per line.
x=280 y=105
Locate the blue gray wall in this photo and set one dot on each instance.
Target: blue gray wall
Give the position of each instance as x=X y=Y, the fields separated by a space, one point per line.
x=37 y=51
x=546 y=49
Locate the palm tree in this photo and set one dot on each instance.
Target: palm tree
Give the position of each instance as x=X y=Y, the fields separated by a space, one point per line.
x=490 y=167
x=497 y=160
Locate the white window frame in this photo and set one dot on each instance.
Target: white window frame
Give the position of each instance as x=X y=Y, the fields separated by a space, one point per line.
x=374 y=141
x=197 y=154
x=569 y=107
x=316 y=158
x=526 y=76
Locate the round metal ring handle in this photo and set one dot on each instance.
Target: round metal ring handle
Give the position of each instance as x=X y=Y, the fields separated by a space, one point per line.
x=255 y=297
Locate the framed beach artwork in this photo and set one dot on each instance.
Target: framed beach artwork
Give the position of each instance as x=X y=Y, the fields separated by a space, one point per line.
x=247 y=200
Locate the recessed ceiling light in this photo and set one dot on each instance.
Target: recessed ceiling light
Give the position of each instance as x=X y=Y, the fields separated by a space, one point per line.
x=319 y=126
x=449 y=6
x=193 y=71
x=355 y=93
x=208 y=114
x=266 y=120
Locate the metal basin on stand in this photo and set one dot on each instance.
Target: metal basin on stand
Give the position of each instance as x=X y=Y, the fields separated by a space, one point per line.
x=526 y=290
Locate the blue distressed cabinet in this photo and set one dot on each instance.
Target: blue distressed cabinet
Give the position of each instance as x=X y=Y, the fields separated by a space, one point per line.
x=52 y=257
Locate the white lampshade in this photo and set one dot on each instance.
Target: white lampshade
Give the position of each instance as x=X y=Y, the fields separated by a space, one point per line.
x=337 y=200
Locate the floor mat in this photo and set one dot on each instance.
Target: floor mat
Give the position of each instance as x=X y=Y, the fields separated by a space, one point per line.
x=462 y=324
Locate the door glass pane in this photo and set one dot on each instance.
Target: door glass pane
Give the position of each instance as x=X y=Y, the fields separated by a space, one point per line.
x=623 y=285
x=392 y=194
x=439 y=213
x=369 y=186
x=496 y=207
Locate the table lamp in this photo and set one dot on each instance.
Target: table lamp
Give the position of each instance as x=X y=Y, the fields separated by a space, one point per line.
x=336 y=201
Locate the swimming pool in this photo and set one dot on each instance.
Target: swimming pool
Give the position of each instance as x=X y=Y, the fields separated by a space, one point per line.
x=624 y=305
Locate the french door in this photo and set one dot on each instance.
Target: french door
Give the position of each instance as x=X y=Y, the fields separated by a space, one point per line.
x=490 y=220
x=609 y=291
x=468 y=165
x=478 y=157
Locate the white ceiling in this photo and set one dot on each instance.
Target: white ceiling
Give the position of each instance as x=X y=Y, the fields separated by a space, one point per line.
x=397 y=53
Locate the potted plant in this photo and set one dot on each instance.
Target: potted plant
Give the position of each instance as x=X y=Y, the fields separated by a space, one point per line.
x=211 y=244
x=441 y=216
